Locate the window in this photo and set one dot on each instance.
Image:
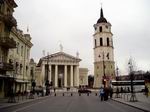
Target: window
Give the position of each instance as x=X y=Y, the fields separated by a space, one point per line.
x=8 y=11
x=0 y=6
x=101 y=41
x=0 y=27
x=27 y=53
x=107 y=41
x=95 y=42
x=100 y=29
x=21 y=50
x=17 y=48
x=106 y=27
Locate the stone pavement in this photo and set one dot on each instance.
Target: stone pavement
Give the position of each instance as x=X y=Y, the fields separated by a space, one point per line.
x=19 y=100
x=143 y=102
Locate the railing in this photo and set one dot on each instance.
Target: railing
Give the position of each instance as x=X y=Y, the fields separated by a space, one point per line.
x=6 y=66
x=10 y=20
x=7 y=42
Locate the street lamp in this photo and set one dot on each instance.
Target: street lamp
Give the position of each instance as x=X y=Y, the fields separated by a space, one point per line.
x=47 y=83
x=117 y=79
x=104 y=76
x=131 y=73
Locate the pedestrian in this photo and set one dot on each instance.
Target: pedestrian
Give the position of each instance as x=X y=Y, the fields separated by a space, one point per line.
x=111 y=92
x=101 y=93
x=146 y=91
x=106 y=93
x=54 y=90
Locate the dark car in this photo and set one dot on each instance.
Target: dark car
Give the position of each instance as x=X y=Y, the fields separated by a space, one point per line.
x=84 y=91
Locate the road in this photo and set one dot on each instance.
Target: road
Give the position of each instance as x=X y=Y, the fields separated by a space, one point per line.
x=73 y=103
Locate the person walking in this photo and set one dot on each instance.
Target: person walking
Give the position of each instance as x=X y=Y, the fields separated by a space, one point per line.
x=101 y=93
x=110 y=92
x=146 y=91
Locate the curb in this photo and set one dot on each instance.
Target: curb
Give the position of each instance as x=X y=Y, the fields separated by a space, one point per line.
x=145 y=110
x=26 y=101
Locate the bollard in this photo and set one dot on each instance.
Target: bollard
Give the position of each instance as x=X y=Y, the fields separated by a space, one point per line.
x=71 y=94
x=95 y=94
x=87 y=94
x=79 y=94
x=63 y=94
x=55 y=94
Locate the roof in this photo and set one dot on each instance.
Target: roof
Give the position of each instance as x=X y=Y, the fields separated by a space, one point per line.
x=102 y=19
x=58 y=54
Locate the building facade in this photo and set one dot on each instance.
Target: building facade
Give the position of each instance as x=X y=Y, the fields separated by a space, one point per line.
x=7 y=21
x=83 y=76
x=60 y=69
x=104 y=67
x=21 y=59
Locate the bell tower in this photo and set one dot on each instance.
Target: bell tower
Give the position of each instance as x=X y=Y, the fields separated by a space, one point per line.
x=104 y=66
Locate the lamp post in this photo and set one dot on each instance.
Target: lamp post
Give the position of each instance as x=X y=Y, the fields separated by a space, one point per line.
x=104 y=76
x=131 y=73
x=117 y=79
x=47 y=84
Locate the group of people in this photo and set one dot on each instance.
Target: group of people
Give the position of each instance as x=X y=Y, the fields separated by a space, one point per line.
x=105 y=92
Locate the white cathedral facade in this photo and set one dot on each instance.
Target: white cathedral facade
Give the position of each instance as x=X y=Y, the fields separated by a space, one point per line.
x=60 y=69
x=104 y=66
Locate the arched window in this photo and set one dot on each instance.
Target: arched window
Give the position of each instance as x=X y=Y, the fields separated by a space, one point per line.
x=101 y=41
x=100 y=28
x=95 y=42
x=107 y=41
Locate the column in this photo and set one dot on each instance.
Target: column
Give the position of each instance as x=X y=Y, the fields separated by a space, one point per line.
x=56 y=75
x=43 y=75
x=65 y=76
x=71 y=76
x=50 y=73
x=77 y=76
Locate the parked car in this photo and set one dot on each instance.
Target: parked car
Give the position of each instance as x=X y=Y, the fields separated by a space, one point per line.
x=84 y=90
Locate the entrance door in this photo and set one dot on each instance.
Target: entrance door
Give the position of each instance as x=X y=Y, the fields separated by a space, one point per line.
x=59 y=82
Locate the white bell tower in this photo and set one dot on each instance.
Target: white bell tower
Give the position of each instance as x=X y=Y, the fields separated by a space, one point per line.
x=104 y=66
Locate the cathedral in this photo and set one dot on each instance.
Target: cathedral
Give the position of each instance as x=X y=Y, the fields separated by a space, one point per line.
x=104 y=65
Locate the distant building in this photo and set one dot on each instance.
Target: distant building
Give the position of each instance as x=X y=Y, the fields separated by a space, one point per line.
x=104 y=65
x=60 y=69
x=83 y=77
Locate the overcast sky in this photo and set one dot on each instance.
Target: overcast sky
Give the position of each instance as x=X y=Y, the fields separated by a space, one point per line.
x=70 y=22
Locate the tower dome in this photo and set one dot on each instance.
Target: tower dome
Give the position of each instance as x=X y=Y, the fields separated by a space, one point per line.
x=102 y=19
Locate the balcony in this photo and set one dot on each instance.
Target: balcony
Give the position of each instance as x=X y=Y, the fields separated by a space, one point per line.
x=7 y=42
x=10 y=21
x=6 y=66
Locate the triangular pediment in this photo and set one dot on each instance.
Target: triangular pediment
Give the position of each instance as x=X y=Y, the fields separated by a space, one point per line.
x=62 y=56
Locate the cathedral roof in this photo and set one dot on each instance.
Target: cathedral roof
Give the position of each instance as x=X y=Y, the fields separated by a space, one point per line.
x=102 y=19
x=64 y=56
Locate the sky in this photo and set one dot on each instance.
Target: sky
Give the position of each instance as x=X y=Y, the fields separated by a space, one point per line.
x=70 y=23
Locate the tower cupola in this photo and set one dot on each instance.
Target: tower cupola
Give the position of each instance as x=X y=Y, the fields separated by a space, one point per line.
x=102 y=19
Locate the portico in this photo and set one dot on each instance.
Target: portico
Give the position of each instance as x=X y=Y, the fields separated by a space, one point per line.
x=61 y=69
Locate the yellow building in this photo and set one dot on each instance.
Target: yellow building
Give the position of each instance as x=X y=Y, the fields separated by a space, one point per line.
x=20 y=57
